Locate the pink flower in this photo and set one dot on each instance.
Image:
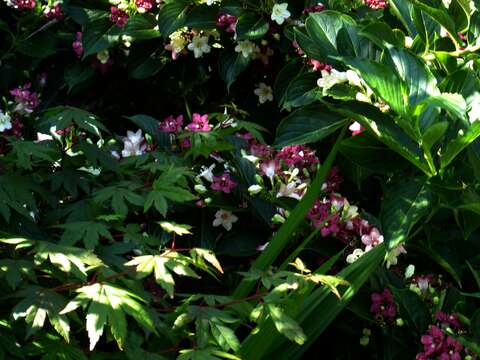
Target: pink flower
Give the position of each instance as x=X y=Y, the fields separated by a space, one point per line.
x=376 y=4
x=372 y=239
x=144 y=5
x=313 y=9
x=185 y=143
x=223 y=183
x=297 y=48
x=24 y=4
x=26 y=100
x=54 y=12
x=199 y=123
x=118 y=16
x=319 y=66
x=333 y=182
x=77 y=45
x=383 y=306
x=447 y=320
x=356 y=128
x=171 y=124
x=227 y=22
x=299 y=156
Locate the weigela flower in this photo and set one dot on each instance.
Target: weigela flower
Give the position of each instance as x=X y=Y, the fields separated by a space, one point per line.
x=331 y=78
x=280 y=13
x=376 y=4
x=393 y=254
x=54 y=11
x=23 y=4
x=171 y=124
x=254 y=189
x=118 y=16
x=319 y=66
x=437 y=345
x=199 y=123
x=246 y=47
x=5 y=121
x=383 y=305
x=223 y=183
x=199 y=46
x=224 y=218
x=133 y=144
x=264 y=93
x=354 y=256
x=26 y=100
x=292 y=190
x=299 y=156
x=314 y=8
x=206 y=173
x=372 y=239
x=77 y=45
x=270 y=168
x=144 y=5
x=210 y=2
x=227 y=22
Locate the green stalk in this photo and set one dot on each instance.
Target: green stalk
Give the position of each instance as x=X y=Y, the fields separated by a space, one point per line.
x=283 y=236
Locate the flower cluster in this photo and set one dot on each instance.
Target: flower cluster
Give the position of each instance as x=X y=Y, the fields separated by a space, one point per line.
x=118 y=16
x=376 y=4
x=438 y=345
x=383 y=306
x=25 y=99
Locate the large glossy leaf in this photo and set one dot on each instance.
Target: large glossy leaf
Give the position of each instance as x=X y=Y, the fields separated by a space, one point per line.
x=308 y=124
x=404 y=205
x=251 y=26
x=230 y=65
x=459 y=143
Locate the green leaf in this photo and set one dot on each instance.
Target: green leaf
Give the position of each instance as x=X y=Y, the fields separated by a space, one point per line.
x=404 y=205
x=308 y=124
x=118 y=195
x=225 y=337
x=77 y=74
x=88 y=232
x=286 y=325
x=414 y=309
x=458 y=144
x=71 y=260
x=99 y=35
x=230 y=65
x=251 y=26
x=385 y=83
x=37 y=304
x=141 y=27
x=28 y=151
x=162 y=266
x=172 y=17
x=13 y=270
x=108 y=305
x=302 y=90
x=64 y=116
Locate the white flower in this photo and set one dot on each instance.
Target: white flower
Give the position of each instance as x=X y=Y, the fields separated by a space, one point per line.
x=329 y=79
x=353 y=78
x=409 y=271
x=393 y=255
x=43 y=137
x=474 y=113
x=254 y=189
x=408 y=42
x=103 y=56
x=280 y=13
x=246 y=47
x=210 y=2
x=354 y=256
x=5 y=121
x=207 y=172
x=133 y=144
x=362 y=97
x=289 y=190
x=264 y=93
x=199 y=46
x=355 y=127
x=262 y=247
x=224 y=218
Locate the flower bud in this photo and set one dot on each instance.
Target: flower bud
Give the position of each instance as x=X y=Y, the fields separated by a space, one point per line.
x=436 y=300
x=400 y=322
x=208 y=200
x=364 y=341
x=254 y=189
x=278 y=219
x=366 y=332
x=201 y=189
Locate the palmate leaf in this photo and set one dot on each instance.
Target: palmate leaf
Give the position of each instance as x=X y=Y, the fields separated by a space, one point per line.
x=65 y=116
x=27 y=153
x=71 y=260
x=38 y=304
x=118 y=195
x=14 y=270
x=163 y=266
x=89 y=232
x=109 y=304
